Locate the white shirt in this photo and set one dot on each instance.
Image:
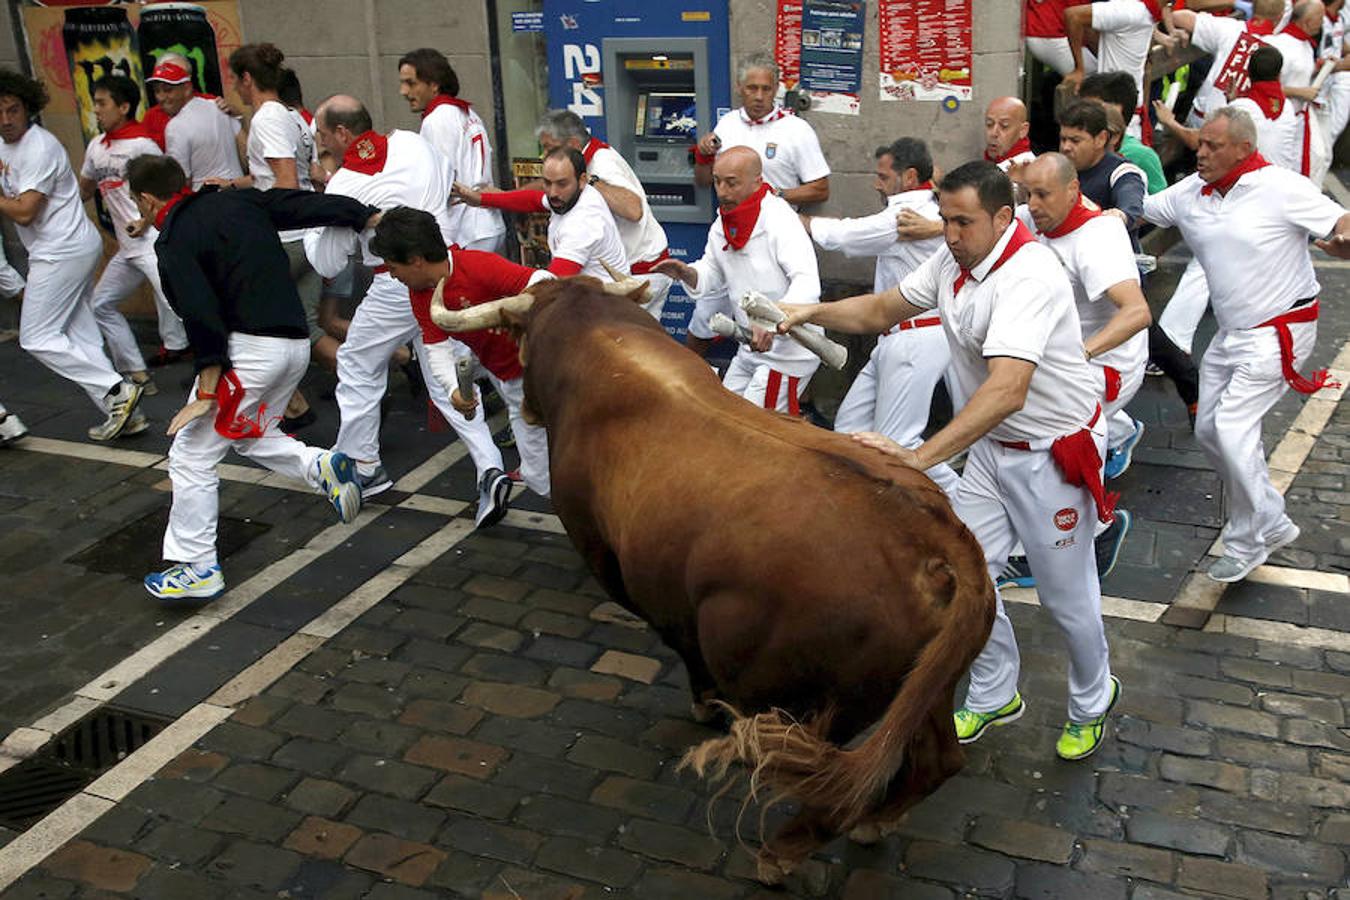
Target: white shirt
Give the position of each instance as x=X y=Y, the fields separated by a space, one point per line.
x=788 y=147
x=779 y=262
x=1024 y=309
x=201 y=138
x=1126 y=33
x=39 y=163
x=279 y=132
x=875 y=235
x=1280 y=140
x=108 y=167
x=1217 y=36
x=1253 y=243
x=586 y=234
x=462 y=139
x=1300 y=63
x=1017 y=159
x=645 y=239
x=413 y=175
x=1097 y=255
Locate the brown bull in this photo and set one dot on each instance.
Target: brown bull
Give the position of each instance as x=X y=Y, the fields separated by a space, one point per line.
x=802 y=577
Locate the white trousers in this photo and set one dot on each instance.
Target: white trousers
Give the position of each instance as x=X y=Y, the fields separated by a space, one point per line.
x=493 y=243
x=531 y=440
x=57 y=323
x=1119 y=423
x=762 y=385
x=382 y=323
x=269 y=369
x=121 y=276
x=1241 y=378
x=1055 y=53
x=1338 y=111
x=1007 y=494
x=1181 y=317
x=893 y=393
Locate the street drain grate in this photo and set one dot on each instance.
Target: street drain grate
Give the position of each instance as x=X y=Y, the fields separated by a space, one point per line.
x=70 y=762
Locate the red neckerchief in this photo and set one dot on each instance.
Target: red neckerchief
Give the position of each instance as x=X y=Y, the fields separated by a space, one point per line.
x=444 y=100
x=1225 y=184
x=183 y=193
x=156 y=120
x=772 y=115
x=1082 y=211
x=127 y=131
x=1260 y=27
x=1294 y=31
x=230 y=423
x=1021 y=236
x=367 y=154
x=1268 y=95
x=1154 y=9
x=1078 y=461
x=594 y=146
x=1022 y=146
x=738 y=224
x=306 y=115
x=925 y=186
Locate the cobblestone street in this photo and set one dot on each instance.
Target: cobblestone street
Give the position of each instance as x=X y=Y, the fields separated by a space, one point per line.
x=405 y=708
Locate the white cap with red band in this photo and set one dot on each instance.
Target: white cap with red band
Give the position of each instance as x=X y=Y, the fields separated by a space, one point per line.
x=170 y=73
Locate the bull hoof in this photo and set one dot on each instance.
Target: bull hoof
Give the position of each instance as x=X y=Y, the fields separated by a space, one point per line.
x=867 y=834
x=771 y=870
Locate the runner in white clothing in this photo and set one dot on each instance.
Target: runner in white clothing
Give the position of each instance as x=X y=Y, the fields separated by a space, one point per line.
x=105 y=171
x=644 y=240
x=11 y=285
x=199 y=135
x=757 y=244
x=1032 y=423
x=582 y=235
x=39 y=193
x=1124 y=35
x=1297 y=43
x=893 y=392
x=401 y=169
x=1248 y=223
x=1230 y=41
x=431 y=87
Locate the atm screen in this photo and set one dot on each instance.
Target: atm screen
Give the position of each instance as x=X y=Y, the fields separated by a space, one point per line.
x=667 y=115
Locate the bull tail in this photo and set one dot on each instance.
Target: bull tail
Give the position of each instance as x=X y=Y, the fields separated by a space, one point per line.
x=796 y=760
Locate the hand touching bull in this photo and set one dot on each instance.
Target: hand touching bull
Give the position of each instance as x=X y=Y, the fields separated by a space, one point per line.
x=759 y=339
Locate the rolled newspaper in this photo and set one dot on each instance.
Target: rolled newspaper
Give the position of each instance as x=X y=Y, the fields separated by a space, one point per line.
x=757 y=306
x=464 y=375
x=1323 y=73
x=722 y=324
x=1171 y=94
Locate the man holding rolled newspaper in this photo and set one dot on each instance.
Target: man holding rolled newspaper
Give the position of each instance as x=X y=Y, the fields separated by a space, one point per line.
x=757 y=247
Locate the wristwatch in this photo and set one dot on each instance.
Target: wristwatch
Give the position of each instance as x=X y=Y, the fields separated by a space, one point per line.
x=593 y=179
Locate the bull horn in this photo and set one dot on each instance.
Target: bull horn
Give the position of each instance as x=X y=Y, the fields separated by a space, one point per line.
x=625 y=285
x=476 y=318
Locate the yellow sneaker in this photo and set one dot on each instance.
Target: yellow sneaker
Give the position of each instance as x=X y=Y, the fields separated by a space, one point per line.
x=1081 y=739
x=970 y=724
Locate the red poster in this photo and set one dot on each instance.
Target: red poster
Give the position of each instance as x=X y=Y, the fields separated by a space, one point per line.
x=925 y=50
x=1233 y=74
x=787 y=42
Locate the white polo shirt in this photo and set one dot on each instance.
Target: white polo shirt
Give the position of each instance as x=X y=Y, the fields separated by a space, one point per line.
x=1300 y=61
x=779 y=262
x=1023 y=309
x=1280 y=140
x=645 y=239
x=461 y=137
x=875 y=235
x=1097 y=255
x=201 y=138
x=1217 y=36
x=107 y=165
x=412 y=174
x=586 y=234
x=787 y=146
x=1253 y=243
x=39 y=163
x=1126 y=34
x=279 y=132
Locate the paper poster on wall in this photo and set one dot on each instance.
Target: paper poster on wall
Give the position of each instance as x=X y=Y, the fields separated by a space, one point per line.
x=925 y=50
x=818 y=49
x=72 y=47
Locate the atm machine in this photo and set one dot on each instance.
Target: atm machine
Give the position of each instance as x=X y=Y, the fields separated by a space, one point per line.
x=648 y=78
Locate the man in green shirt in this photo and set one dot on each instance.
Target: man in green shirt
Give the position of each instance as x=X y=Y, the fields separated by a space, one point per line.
x=1117 y=89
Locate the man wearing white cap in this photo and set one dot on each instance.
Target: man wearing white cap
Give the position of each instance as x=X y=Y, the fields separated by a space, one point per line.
x=198 y=135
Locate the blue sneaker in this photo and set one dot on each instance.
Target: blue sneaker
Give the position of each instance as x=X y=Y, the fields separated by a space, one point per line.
x=1017 y=573
x=183 y=582
x=376 y=482
x=1118 y=458
x=337 y=480
x=1108 y=543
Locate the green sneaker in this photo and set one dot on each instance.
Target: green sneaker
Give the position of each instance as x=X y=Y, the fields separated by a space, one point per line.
x=970 y=724
x=1081 y=739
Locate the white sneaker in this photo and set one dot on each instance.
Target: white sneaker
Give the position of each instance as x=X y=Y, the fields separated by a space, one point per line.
x=1287 y=536
x=121 y=404
x=1228 y=569
x=11 y=429
x=135 y=425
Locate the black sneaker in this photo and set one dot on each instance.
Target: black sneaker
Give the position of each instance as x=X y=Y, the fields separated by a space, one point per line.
x=1017 y=573
x=494 y=492
x=1109 y=542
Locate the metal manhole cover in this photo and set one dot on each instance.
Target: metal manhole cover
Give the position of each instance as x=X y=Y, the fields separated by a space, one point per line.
x=134 y=549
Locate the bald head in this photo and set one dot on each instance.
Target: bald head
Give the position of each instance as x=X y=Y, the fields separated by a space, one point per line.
x=1005 y=123
x=737 y=173
x=1309 y=14
x=1051 y=181
x=1270 y=10
x=339 y=121
x=1054 y=166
